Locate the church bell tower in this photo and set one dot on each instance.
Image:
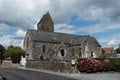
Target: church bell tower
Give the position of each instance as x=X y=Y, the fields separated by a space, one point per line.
x=46 y=23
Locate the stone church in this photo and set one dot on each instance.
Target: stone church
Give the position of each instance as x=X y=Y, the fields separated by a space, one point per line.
x=45 y=44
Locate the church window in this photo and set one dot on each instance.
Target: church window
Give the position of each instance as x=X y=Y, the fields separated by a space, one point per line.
x=43 y=48
x=27 y=45
x=41 y=58
x=80 y=53
x=62 y=52
x=91 y=54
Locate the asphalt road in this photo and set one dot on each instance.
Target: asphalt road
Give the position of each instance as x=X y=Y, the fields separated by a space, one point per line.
x=19 y=74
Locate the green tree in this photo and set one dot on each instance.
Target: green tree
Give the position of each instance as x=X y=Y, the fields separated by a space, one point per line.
x=2 y=51
x=15 y=52
x=9 y=51
x=16 y=57
x=118 y=50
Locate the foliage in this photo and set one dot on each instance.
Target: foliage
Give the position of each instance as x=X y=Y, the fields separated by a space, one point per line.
x=91 y=65
x=15 y=58
x=13 y=49
x=116 y=64
x=15 y=52
x=118 y=50
x=101 y=57
x=2 y=51
x=107 y=66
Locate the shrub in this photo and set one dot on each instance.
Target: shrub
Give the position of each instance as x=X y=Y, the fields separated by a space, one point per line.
x=91 y=65
x=15 y=58
x=116 y=64
x=107 y=66
x=101 y=57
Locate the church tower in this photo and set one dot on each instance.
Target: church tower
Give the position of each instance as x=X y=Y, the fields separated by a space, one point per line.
x=46 y=23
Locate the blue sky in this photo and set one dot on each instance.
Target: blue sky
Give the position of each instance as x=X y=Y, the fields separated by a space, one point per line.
x=98 y=18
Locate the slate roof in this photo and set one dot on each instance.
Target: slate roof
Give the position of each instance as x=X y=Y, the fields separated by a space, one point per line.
x=54 y=37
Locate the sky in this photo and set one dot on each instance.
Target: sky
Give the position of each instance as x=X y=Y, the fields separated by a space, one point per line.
x=98 y=18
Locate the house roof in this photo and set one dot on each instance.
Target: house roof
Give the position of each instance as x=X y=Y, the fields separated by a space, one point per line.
x=43 y=36
x=108 y=50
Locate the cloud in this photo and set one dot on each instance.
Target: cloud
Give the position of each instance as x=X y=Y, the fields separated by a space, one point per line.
x=23 y=14
x=20 y=34
x=3 y=29
x=9 y=40
x=64 y=28
x=105 y=10
x=98 y=28
x=111 y=40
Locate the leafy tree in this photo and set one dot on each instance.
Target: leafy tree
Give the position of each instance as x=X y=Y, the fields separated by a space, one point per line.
x=9 y=51
x=15 y=58
x=2 y=51
x=15 y=52
x=118 y=50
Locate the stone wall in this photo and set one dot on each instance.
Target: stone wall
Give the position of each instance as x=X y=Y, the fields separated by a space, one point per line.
x=56 y=66
x=53 y=50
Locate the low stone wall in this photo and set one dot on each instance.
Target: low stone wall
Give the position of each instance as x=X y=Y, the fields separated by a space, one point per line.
x=9 y=64
x=57 y=66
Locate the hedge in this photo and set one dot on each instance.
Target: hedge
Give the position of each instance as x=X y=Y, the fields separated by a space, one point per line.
x=116 y=64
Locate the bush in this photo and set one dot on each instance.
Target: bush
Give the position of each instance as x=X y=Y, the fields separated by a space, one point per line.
x=107 y=66
x=91 y=65
x=116 y=64
x=15 y=58
x=101 y=57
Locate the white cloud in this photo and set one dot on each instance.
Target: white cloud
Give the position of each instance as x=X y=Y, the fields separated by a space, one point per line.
x=20 y=33
x=98 y=28
x=22 y=14
x=3 y=29
x=64 y=28
x=111 y=40
x=9 y=40
x=25 y=13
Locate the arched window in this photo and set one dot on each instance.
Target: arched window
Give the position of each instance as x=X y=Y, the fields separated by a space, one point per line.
x=62 y=52
x=91 y=54
x=43 y=48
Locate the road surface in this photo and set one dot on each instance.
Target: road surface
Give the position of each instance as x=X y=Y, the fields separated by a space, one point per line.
x=19 y=74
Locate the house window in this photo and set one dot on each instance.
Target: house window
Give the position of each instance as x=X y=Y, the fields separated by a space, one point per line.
x=62 y=52
x=43 y=48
